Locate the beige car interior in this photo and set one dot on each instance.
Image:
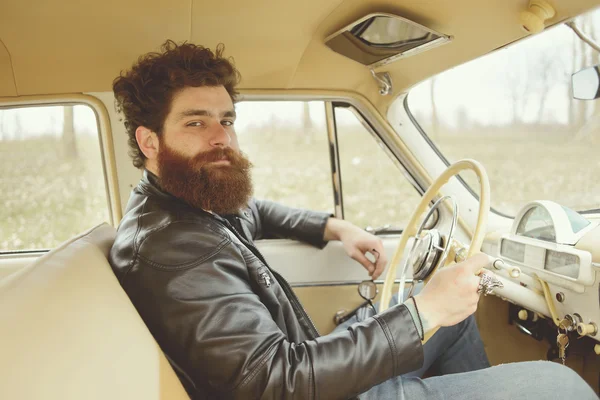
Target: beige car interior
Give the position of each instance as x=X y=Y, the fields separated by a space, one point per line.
x=68 y=328
x=277 y=45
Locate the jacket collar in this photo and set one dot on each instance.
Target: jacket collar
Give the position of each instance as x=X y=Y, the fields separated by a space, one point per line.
x=149 y=184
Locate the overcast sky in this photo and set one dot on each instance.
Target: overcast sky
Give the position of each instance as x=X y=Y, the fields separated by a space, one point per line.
x=484 y=87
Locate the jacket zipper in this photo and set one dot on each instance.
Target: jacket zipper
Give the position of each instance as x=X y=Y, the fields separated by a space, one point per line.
x=284 y=284
x=292 y=297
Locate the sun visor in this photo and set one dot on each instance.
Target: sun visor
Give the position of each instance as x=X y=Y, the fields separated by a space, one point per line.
x=380 y=38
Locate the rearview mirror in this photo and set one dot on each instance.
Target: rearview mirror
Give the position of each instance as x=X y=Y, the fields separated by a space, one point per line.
x=586 y=83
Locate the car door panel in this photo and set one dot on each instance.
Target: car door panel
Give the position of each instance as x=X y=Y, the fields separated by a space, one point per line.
x=325 y=280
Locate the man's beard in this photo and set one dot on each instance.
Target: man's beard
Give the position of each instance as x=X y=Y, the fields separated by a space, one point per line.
x=220 y=188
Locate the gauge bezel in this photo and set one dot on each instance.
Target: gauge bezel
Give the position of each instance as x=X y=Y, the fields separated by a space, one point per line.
x=560 y=219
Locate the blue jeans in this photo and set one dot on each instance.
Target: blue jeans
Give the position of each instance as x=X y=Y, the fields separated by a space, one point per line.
x=457 y=357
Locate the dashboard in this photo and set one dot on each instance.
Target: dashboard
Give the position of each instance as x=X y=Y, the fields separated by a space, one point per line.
x=545 y=270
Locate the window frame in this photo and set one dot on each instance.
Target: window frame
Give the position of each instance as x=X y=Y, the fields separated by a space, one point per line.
x=380 y=140
x=105 y=141
x=361 y=109
x=364 y=111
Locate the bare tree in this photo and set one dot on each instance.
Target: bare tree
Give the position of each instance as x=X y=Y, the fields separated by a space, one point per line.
x=434 y=115
x=548 y=75
x=595 y=57
x=591 y=56
x=519 y=86
x=572 y=101
x=307 y=123
x=18 y=133
x=584 y=121
x=582 y=49
x=68 y=134
x=463 y=122
x=2 y=132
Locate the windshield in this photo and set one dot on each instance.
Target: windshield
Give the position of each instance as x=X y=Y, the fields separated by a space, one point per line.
x=513 y=111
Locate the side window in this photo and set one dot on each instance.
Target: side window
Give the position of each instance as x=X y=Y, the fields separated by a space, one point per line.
x=51 y=176
x=287 y=143
x=375 y=192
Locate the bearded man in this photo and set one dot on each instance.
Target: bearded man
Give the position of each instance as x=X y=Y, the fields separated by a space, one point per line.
x=229 y=324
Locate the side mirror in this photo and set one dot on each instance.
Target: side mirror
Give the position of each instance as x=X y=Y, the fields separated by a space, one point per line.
x=586 y=83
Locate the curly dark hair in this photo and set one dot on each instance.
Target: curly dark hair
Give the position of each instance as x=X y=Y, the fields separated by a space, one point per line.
x=144 y=93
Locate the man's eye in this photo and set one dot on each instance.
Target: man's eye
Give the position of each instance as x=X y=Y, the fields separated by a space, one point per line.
x=194 y=123
x=227 y=123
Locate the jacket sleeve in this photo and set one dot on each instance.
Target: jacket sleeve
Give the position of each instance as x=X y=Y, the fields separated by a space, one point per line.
x=214 y=327
x=279 y=221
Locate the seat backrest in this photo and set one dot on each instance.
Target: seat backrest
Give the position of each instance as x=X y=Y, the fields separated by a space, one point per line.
x=69 y=331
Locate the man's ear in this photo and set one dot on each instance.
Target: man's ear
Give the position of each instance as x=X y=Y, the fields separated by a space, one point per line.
x=148 y=142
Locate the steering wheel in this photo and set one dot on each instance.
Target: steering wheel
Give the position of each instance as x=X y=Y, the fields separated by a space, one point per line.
x=427 y=242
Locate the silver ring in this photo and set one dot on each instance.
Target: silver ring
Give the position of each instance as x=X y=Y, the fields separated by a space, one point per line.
x=487 y=284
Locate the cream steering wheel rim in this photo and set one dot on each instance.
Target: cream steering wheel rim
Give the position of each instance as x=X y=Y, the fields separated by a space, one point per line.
x=411 y=227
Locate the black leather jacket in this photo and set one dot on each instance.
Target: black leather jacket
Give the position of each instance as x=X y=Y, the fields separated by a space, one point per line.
x=230 y=325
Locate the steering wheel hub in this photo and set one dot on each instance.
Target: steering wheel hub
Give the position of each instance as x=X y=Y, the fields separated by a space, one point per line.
x=426 y=253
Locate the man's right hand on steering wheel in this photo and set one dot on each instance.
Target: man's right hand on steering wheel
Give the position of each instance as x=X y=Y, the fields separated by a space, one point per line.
x=451 y=294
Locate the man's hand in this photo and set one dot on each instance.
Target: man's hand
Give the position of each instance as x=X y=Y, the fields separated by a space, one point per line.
x=451 y=294
x=357 y=243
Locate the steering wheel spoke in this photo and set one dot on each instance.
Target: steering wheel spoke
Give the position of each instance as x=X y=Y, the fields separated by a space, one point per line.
x=437 y=247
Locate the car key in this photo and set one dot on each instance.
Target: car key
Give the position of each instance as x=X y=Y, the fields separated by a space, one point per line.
x=562 y=341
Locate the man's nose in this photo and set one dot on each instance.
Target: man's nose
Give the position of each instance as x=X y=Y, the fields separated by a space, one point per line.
x=220 y=137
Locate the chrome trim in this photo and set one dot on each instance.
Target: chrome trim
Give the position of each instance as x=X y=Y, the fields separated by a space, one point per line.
x=443 y=39
x=17 y=254
x=334 y=159
x=344 y=283
x=380 y=229
x=432 y=253
x=442 y=259
x=523 y=329
x=384 y=80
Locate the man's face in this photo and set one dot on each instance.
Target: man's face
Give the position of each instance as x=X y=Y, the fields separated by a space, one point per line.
x=199 y=159
x=201 y=119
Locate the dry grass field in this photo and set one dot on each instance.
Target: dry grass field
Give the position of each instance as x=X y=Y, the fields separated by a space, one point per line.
x=524 y=167
x=46 y=198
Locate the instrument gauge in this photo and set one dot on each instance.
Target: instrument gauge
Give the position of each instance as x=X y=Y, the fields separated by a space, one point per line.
x=562 y=263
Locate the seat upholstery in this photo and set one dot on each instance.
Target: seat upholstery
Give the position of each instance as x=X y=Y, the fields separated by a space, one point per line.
x=69 y=331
